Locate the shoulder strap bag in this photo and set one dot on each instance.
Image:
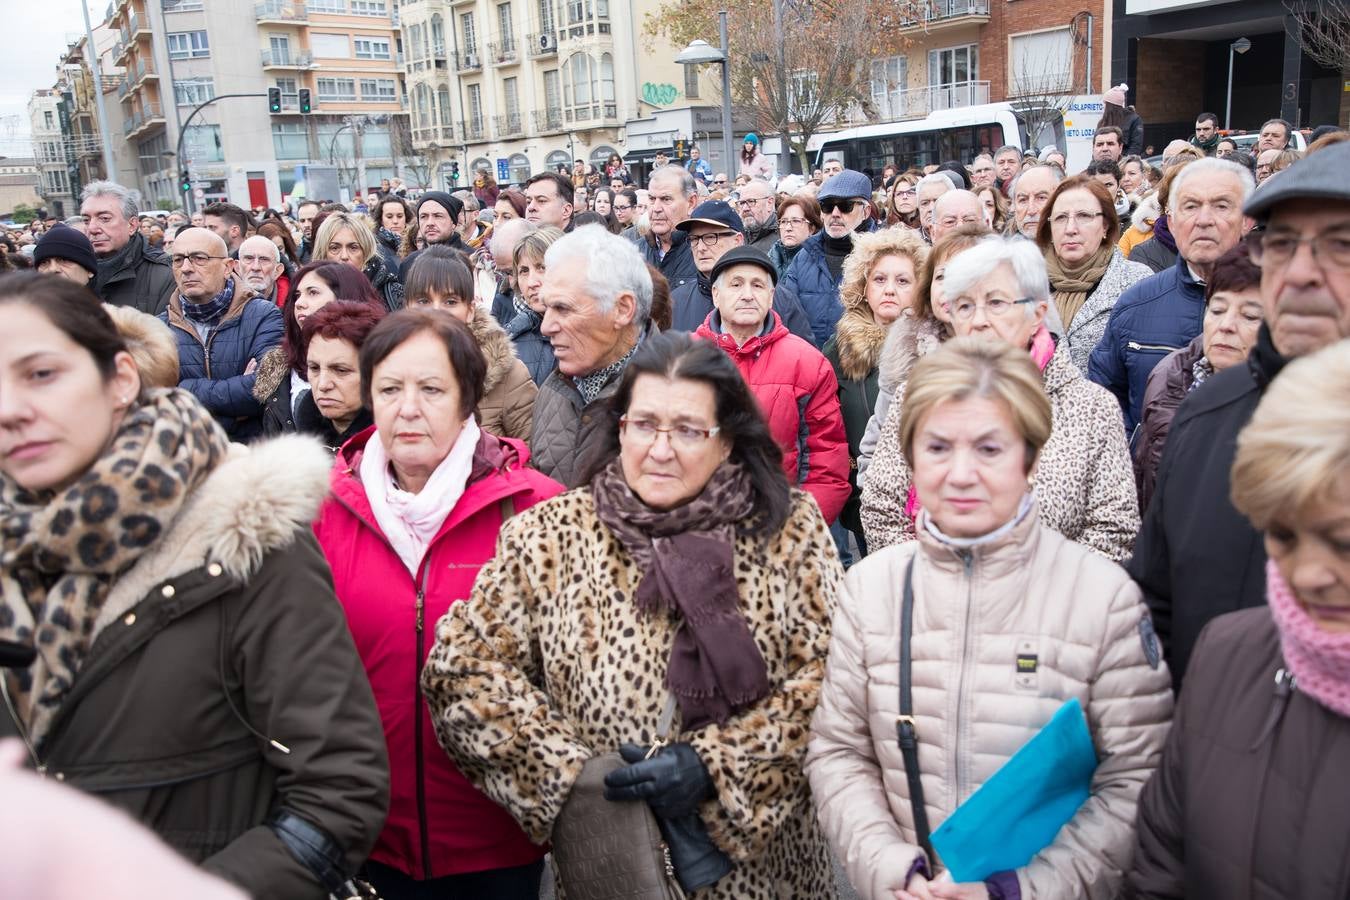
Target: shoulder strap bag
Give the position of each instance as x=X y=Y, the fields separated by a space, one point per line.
x=905 y=728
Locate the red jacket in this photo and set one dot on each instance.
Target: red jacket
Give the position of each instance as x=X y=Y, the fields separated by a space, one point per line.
x=798 y=394
x=439 y=824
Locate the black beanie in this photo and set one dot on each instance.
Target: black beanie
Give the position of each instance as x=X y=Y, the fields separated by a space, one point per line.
x=452 y=206
x=63 y=242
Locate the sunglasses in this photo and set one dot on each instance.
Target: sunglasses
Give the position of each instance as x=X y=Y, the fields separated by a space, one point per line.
x=720 y=181
x=841 y=204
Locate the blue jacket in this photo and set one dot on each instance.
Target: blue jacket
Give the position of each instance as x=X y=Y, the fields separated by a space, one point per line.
x=214 y=371
x=533 y=349
x=678 y=263
x=699 y=168
x=692 y=302
x=1151 y=319
x=809 y=283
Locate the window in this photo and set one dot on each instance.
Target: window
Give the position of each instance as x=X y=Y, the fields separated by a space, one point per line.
x=326 y=6
x=437 y=36
x=691 y=82
x=336 y=141
x=423 y=112
x=48 y=118
x=369 y=8
x=150 y=154
x=279 y=46
x=337 y=89
x=375 y=143
x=511 y=95
x=469 y=32
x=201 y=144
x=889 y=79
x=378 y=90
x=504 y=23
x=951 y=76
x=552 y=92
x=607 y=80
x=188 y=45
x=577 y=11
x=371 y=48
x=558 y=158
x=332 y=46
x=182 y=5
x=415 y=42
x=1041 y=63
x=801 y=90
x=519 y=166
x=443 y=103
x=546 y=16
x=476 y=106
x=192 y=91
x=290 y=94
x=290 y=140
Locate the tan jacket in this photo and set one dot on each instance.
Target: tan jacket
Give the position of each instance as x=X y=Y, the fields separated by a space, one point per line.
x=1084 y=478
x=1029 y=593
x=507 y=407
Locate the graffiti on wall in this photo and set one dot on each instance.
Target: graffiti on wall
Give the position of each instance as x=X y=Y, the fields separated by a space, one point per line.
x=659 y=94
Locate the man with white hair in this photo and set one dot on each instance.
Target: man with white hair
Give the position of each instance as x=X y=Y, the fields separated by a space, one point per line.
x=928 y=190
x=260 y=267
x=1164 y=312
x=597 y=297
x=954 y=209
x=1031 y=191
x=130 y=271
x=505 y=237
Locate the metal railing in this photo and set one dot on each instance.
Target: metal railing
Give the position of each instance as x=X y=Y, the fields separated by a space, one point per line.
x=503 y=50
x=276 y=10
x=467 y=60
x=915 y=103
x=472 y=131
x=508 y=125
x=543 y=43
x=592 y=112
x=939 y=10
x=285 y=59
x=548 y=120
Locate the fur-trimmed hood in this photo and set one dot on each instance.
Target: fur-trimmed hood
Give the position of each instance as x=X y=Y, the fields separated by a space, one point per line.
x=271 y=372
x=1145 y=214
x=906 y=341
x=255 y=502
x=859 y=339
x=497 y=347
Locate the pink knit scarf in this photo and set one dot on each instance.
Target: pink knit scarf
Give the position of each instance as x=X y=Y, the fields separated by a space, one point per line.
x=1319 y=660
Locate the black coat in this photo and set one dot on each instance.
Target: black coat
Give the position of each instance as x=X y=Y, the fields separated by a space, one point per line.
x=139 y=276
x=1154 y=254
x=678 y=263
x=1249 y=800
x=1196 y=556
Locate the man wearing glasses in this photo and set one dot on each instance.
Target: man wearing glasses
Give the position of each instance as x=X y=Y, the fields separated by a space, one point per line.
x=812 y=280
x=714 y=229
x=756 y=207
x=1197 y=557
x=222 y=329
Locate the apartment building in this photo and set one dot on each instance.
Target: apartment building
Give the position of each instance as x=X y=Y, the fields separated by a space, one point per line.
x=78 y=117
x=196 y=94
x=49 y=151
x=523 y=86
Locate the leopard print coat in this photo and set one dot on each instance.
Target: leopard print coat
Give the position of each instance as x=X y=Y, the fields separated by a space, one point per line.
x=549 y=663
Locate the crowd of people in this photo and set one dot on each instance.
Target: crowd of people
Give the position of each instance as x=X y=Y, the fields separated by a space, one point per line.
x=368 y=541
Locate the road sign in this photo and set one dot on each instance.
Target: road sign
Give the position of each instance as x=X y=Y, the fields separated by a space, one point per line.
x=198 y=193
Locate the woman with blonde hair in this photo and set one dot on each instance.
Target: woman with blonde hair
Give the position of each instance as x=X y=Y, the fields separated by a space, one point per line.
x=879 y=287
x=524 y=328
x=985 y=590
x=346 y=238
x=902 y=207
x=1268 y=688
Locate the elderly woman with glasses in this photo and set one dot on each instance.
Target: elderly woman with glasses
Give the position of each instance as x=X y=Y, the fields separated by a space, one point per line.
x=1084 y=480
x=685 y=593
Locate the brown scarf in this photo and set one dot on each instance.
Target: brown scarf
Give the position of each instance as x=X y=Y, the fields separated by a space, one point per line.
x=60 y=553
x=1071 y=285
x=686 y=555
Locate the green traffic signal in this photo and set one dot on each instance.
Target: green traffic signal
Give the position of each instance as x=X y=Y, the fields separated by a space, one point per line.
x=274 y=100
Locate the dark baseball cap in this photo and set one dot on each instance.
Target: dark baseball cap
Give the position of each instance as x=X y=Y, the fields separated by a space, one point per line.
x=713 y=212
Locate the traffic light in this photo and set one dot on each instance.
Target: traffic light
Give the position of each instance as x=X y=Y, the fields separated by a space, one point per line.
x=304 y=101
x=454 y=171
x=679 y=149
x=274 y=100
x=185 y=180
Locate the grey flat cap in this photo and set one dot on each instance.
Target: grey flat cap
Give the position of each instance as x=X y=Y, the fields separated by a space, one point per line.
x=1321 y=176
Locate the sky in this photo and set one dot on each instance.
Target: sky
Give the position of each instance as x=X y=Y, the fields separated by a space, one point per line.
x=38 y=31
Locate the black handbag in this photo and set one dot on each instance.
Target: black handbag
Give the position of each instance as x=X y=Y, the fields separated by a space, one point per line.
x=905 y=729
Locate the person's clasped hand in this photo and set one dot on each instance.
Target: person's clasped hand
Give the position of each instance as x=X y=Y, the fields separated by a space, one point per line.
x=673 y=782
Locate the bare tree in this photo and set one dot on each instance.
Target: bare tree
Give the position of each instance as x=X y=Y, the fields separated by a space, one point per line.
x=1324 y=31
x=406 y=157
x=1040 y=93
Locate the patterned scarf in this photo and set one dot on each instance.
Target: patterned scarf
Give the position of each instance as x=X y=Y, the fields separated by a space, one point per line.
x=687 y=556
x=1072 y=284
x=61 y=552
x=1200 y=370
x=591 y=385
x=210 y=313
x=1319 y=659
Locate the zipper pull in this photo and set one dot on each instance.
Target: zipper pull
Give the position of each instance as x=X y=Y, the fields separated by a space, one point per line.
x=421 y=605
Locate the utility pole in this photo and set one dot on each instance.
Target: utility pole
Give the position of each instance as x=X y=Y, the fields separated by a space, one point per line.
x=96 y=69
x=780 y=74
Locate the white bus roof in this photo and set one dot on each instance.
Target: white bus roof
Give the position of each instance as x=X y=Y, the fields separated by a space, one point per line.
x=943 y=118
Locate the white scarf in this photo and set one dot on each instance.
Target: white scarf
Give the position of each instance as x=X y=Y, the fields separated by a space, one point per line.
x=411 y=521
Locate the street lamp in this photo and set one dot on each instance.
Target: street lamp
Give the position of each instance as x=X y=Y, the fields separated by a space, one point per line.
x=699 y=52
x=1241 y=45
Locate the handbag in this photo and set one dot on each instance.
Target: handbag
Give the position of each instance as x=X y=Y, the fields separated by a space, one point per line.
x=607 y=851
x=905 y=729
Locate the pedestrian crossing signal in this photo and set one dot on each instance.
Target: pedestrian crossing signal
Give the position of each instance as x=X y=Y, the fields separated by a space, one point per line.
x=304 y=101
x=185 y=181
x=274 y=100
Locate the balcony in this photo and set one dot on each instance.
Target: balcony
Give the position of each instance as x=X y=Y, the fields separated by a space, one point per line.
x=143 y=120
x=915 y=103
x=598 y=113
x=503 y=52
x=276 y=12
x=938 y=14
x=284 y=59
x=430 y=135
x=472 y=132
x=138 y=26
x=122 y=89
x=546 y=120
x=438 y=54
x=579 y=30
x=543 y=43
x=468 y=60
x=507 y=126
x=141 y=70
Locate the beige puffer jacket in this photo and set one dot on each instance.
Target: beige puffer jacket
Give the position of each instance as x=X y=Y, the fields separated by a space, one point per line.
x=1028 y=593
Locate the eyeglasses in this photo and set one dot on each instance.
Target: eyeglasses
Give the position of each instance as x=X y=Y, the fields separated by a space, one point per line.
x=907 y=194
x=711 y=238
x=1278 y=249
x=841 y=204
x=682 y=437
x=1080 y=219
x=793 y=222
x=964 y=308
x=620 y=207
x=751 y=201
x=197 y=259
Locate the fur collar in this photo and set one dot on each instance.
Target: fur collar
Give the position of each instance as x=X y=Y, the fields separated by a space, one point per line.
x=272 y=371
x=859 y=340
x=496 y=346
x=256 y=501
x=906 y=341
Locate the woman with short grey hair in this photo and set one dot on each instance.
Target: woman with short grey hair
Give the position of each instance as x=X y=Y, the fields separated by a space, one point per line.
x=1084 y=480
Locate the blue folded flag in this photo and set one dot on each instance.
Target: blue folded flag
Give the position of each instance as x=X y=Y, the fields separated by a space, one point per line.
x=1019 y=810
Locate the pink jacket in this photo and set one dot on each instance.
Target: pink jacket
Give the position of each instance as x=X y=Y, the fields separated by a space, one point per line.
x=439 y=824
x=799 y=396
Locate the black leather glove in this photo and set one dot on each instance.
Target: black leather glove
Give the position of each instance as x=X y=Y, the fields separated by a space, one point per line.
x=673 y=782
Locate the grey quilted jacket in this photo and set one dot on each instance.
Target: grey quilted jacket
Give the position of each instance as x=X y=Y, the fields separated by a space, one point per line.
x=1089 y=323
